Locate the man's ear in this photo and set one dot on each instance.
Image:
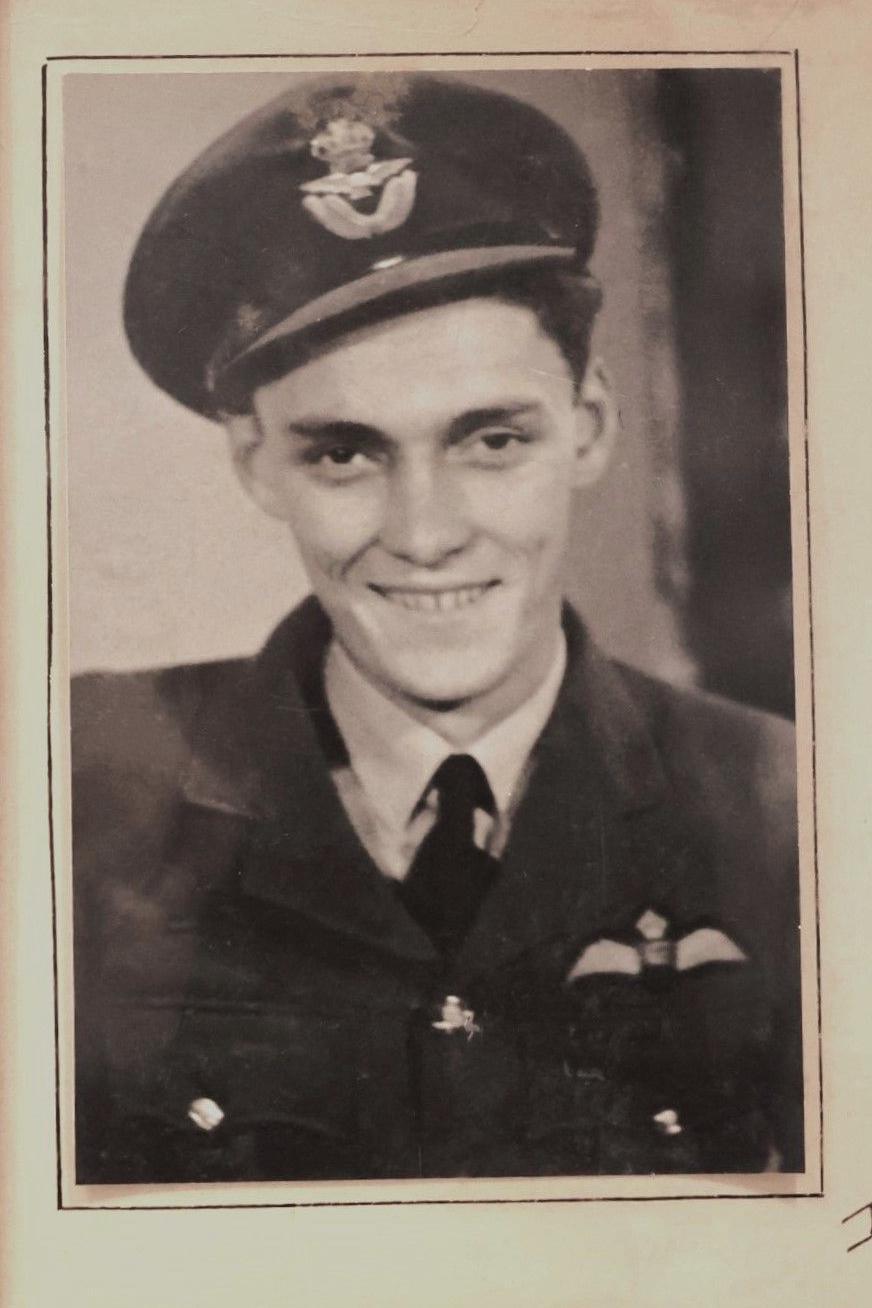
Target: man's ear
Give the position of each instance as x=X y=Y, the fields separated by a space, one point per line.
x=596 y=425
x=252 y=462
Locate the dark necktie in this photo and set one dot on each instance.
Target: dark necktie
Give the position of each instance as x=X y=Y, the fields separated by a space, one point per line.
x=450 y=875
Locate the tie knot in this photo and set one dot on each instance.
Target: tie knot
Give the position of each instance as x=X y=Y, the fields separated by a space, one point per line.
x=462 y=787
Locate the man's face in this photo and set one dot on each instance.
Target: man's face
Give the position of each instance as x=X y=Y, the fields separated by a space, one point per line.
x=426 y=466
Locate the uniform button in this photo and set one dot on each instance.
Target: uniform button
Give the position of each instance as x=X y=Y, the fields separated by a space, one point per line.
x=667 y=1122
x=205 y=1113
x=455 y=1016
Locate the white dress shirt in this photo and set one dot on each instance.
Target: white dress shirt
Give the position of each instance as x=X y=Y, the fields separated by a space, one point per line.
x=392 y=758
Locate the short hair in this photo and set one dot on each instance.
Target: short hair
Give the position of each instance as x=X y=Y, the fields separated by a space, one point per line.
x=565 y=303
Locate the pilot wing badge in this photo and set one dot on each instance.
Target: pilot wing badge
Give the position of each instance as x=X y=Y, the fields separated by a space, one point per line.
x=355 y=176
x=654 y=947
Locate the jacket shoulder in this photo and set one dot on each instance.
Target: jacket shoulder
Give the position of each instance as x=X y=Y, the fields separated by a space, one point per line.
x=705 y=724
x=134 y=740
x=730 y=762
x=144 y=718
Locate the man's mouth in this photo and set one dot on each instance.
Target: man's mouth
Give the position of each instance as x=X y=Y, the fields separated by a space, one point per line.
x=428 y=600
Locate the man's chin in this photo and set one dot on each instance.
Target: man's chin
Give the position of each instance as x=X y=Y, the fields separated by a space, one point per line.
x=442 y=692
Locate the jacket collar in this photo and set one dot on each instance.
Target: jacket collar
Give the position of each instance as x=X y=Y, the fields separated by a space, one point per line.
x=261 y=746
x=394 y=756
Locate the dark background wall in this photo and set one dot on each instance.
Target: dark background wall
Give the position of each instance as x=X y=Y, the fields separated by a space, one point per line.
x=723 y=219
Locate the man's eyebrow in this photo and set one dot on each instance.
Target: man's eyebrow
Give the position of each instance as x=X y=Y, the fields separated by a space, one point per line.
x=317 y=427
x=354 y=433
x=475 y=419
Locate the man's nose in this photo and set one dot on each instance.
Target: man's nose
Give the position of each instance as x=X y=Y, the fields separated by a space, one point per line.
x=425 y=518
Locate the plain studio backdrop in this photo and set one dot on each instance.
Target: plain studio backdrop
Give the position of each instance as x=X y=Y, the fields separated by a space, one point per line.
x=680 y=557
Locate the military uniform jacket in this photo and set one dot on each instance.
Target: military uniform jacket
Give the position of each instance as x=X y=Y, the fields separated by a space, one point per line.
x=234 y=942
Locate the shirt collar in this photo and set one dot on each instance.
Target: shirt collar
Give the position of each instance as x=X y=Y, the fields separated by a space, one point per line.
x=394 y=756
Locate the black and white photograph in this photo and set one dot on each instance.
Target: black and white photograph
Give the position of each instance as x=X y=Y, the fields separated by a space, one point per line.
x=429 y=477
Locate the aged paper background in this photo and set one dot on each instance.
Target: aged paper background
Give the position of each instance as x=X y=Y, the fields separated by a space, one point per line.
x=759 y=1251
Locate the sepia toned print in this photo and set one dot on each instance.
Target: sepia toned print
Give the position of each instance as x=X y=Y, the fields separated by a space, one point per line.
x=441 y=883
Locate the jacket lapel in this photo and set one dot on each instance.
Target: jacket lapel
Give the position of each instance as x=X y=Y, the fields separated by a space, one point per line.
x=594 y=841
x=261 y=746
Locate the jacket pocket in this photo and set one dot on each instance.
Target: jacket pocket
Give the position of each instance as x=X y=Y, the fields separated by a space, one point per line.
x=218 y=1091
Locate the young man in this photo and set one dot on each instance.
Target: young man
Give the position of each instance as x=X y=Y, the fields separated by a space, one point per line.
x=429 y=887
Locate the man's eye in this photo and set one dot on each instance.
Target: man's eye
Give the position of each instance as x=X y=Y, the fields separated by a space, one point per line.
x=341 y=462
x=498 y=440
x=497 y=447
x=340 y=454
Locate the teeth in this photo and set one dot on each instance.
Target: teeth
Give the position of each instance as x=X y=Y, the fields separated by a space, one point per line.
x=438 y=601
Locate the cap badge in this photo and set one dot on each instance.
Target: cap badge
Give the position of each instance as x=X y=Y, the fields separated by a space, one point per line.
x=656 y=950
x=345 y=145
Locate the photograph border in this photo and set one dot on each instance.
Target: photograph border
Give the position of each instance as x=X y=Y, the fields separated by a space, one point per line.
x=54 y=705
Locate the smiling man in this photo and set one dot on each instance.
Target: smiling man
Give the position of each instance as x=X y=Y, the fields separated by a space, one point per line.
x=433 y=516
x=429 y=887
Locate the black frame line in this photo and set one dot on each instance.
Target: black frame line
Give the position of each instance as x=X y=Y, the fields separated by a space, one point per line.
x=817 y=908
x=50 y=644
x=419 y=54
